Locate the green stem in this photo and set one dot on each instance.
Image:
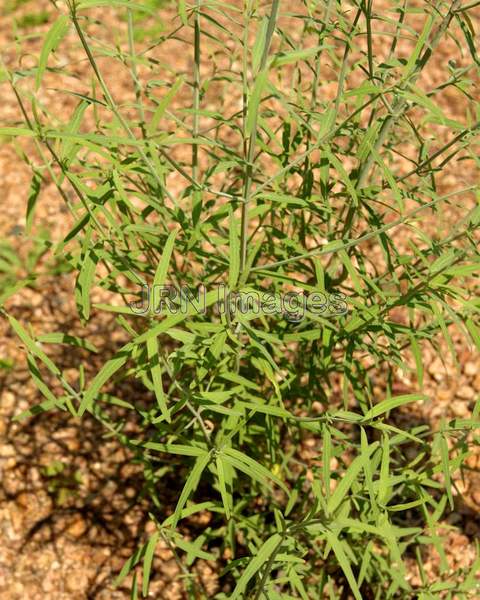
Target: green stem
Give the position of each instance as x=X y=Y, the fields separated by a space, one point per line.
x=399 y=107
x=248 y=177
x=113 y=107
x=362 y=238
x=196 y=89
x=136 y=81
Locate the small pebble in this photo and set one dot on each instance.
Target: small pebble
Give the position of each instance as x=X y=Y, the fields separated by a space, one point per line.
x=470 y=369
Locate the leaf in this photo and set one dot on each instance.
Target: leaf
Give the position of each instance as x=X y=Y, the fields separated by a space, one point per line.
x=120 y=3
x=446 y=467
x=418 y=358
x=256 y=564
x=352 y=271
x=383 y=483
x=182 y=11
x=391 y=403
x=84 y=283
x=348 y=478
x=258 y=45
x=173 y=320
x=192 y=510
x=327 y=451
x=129 y=564
x=105 y=373
x=174 y=449
x=50 y=402
x=54 y=36
x=252 y=468
x=190 y=485
x=234 y=248
x=134 y=594
x=267 y=409
x=69 y=146
x=163 y=105
x=287 y=58
x=226 y=496
x=474 y=332
x=16 y=131
x=10 y=290
x=156 y=372
x=32 y=346
x=284 y=199
x=217 y=396
x=32 y=200
x=192 y=550
x=243 y=381
x=254 y=101
x=368 y=471
x=65 y=338
x=337 y=547
x=162 y=267
x=147 y=562
x=411 y=65
x=344 y=177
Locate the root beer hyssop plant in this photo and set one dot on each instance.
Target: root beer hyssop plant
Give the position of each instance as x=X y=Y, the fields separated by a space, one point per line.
x=282 y=150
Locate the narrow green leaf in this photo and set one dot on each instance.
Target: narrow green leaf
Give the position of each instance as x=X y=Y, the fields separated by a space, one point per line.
x=120 y=3
x=391 y=403
x=32 y=200
x=287 y=58
x=174 y=449
x=156 y=372
x=190 y=485
x=84 y=283
x=105 y=373
x=446 y=467
x=54 y=36
x=341 y=491
x=130 y=564
x=17 y=132
x=192 y=550
x=253 y=467
x=337 y=547
x=162 y=267
x=163 y=105
x=383 y=484
x=147 y=562
x=234 y=248
x=182 y=11
x=256 y=564
x=32 y=346
x=226 y=496
x=68 y=340
x=254 y=101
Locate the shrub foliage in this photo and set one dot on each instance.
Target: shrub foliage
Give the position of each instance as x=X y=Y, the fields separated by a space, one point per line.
x=276 y=147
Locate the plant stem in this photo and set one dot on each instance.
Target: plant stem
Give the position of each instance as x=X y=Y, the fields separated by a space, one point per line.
x=196 y=89
x=252 y=143
x=398 y=109
x=365 y=237
x=136 y=81
x=113 y=107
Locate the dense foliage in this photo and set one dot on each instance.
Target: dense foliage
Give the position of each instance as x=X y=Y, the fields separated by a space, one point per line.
x=294 y=147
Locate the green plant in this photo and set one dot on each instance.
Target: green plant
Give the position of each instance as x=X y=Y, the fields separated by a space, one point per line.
x=34 y=19
x=308 y=159
x=22 y=270
x=62 y=484
x=11 y=6
x=147 y=24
